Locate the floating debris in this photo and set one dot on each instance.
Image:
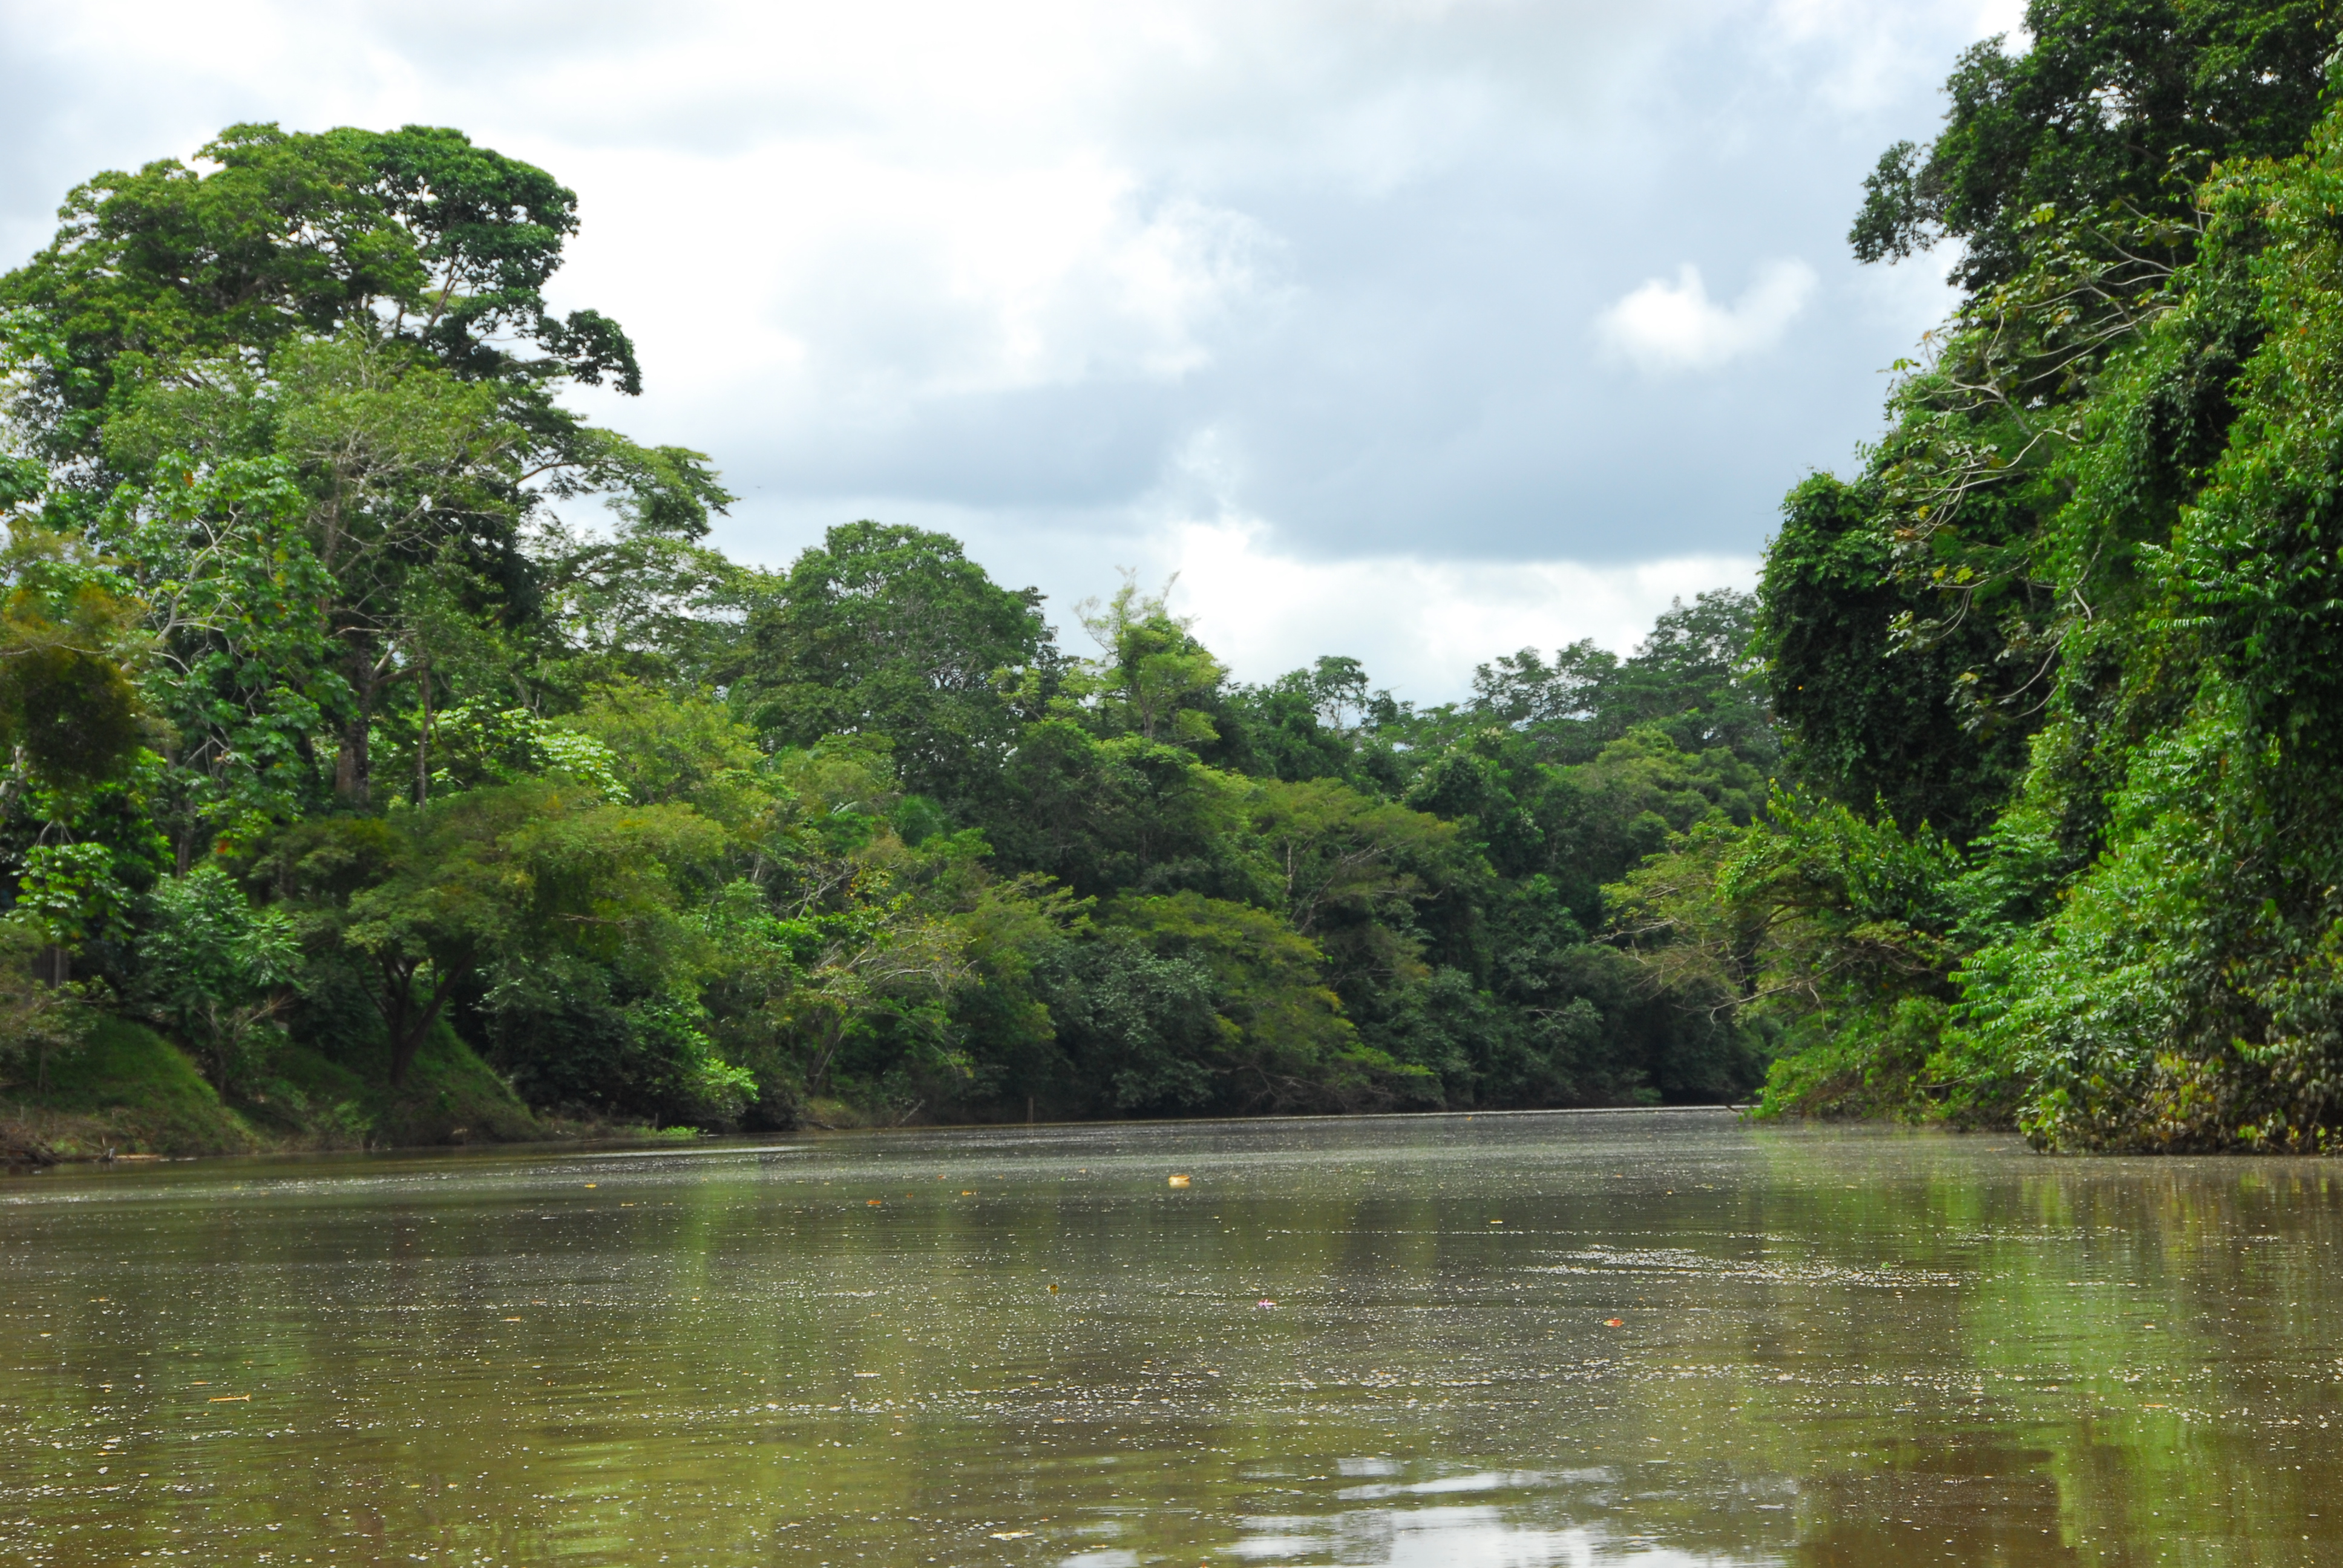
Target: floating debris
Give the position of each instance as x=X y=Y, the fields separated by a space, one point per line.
x=1179 y=1181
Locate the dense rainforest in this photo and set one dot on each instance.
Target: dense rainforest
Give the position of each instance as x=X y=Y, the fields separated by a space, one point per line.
x=389 y=743
x=2058 y=837
x=390 y=749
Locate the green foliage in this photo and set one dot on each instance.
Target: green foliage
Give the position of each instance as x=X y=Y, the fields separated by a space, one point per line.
x=1361 y=878
x=1143 y=1027
x=526 y=887
x=1283 y=1043
x=1153 y=679
x=1101 y=814
x=657 y=747
x=71 y=893
x=293 y=235
x=1693 y=679
x=2182 y=993
x=471 y=745
x=43 y=1023
x=892 y=632
x=1315 y=723
x=1918 y=619
x=2115 y=479
x=2112 y=106
x=341 y=1097
x=215 y=971
x=1865 y=719
x=69 y=706
x=1830 y=932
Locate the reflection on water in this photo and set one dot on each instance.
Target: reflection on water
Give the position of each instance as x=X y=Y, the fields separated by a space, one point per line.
x=1605 y=1339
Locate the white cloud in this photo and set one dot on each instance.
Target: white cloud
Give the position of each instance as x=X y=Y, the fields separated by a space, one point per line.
x=2003 y=16
x=1419 y=625
x=877 y=286
x=1666 y=327
x=1859 y=55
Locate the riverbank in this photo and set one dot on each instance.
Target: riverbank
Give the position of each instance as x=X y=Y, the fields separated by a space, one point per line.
x=130 y=1091
x=127 y=1090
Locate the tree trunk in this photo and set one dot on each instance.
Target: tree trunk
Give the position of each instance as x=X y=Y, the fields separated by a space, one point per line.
x=350 y=764
x=406 y=1028
x=818 y=1071
x=353 y=766
x=423 y=739
x=396 y=1003
x=403 y=1053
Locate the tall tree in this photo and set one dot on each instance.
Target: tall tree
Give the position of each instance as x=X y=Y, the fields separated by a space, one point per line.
x=2113 y=106
x=893 y=630
x=415 y=234
x=330 y=352
x=1914 y=621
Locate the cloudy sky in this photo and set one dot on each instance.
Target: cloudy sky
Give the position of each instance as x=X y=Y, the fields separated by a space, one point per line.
x=1417 y=330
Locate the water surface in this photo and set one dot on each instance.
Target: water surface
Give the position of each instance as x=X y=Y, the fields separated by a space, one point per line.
x=1501 y=1340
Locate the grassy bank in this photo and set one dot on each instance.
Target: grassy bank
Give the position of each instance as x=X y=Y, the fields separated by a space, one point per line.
x=129 y=1090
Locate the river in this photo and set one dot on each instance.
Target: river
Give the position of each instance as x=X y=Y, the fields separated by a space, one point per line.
x=1615 y=1338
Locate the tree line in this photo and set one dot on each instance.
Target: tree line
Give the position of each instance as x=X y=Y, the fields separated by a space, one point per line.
x=365 y=701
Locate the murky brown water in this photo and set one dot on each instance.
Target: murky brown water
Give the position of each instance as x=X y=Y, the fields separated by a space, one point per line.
x=1375 y=1341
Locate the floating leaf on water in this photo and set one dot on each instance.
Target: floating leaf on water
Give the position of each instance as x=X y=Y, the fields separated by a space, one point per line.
x=228 y=1398
x=1053 y=1289
x=1179 y=1181
x=874 y=1202
x=1615 y=1322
